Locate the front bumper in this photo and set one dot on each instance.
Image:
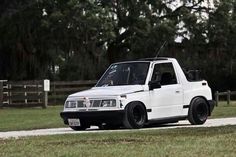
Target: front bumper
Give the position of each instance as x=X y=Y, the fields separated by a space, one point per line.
x=212 y=104
x=94 y=117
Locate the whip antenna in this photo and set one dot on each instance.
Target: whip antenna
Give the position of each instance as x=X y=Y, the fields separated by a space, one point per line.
x=162 y=46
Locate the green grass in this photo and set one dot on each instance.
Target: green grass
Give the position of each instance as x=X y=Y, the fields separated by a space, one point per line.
x=194 y=142
x=37 y=118
x=223 y=110
x=30 y=118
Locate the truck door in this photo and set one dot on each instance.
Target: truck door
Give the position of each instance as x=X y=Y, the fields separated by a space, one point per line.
x=166 y=101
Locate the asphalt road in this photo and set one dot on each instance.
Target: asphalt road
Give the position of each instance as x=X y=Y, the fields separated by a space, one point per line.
x=56 y=131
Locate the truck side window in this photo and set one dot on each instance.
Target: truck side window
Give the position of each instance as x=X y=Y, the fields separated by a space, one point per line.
x=164 y=73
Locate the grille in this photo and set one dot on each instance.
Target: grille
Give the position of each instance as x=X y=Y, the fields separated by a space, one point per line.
x=95 y=103
x=80 y=104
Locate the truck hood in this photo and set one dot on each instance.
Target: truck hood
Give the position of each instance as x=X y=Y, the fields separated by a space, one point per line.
x=108 y=91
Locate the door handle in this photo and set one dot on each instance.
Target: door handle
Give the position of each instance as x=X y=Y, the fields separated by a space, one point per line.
x=177 y=91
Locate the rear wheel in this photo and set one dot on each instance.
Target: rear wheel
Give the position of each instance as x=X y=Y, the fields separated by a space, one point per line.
x=135 y=116
x=198 y=111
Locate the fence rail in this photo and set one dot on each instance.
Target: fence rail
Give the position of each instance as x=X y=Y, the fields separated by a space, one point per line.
x=31 y=93
x=228 y=95
x=22 y=94
x=61 y=89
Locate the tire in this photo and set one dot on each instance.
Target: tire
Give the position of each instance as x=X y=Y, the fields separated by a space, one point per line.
x=135 y=116
x=198 y=111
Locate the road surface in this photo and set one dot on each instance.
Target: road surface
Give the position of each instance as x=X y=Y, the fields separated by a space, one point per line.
x=56 y=131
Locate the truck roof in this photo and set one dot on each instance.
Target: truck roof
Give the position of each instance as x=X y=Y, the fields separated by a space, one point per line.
x=156 y=59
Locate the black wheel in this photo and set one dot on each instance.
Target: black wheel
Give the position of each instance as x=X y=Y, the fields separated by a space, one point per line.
x=198 y=111
x=135 y=116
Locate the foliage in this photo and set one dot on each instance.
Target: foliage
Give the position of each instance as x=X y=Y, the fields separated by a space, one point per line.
x=78 y=39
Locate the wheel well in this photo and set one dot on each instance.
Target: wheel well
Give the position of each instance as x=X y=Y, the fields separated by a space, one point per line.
x=139 y=102
x=209 y=113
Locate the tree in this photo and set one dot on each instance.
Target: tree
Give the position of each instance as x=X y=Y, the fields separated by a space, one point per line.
x=20 y=41
x=222 y=38
x=78 y=39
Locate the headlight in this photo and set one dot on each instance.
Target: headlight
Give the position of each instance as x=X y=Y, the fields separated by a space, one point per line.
x=108 y=103
x=70 y=104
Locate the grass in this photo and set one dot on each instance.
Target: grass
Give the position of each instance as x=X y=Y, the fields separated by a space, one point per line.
x=30 y=118
x=194 y=142
x=37 y=118
x=223 y=110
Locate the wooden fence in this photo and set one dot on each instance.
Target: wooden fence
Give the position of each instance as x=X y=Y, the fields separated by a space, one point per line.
x=22 y=94
x=61 y=89
x=31 y=93
x=228 y=95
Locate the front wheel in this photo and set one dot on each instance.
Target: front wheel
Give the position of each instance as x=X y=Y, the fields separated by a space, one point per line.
x=198 y=111
x=135 y=116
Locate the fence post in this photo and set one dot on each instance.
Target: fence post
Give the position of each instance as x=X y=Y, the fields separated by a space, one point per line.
x=46 y=89
x=54 y=93
x=217 y=97
x=228 y=96
x=45 y=99
x=1 y=94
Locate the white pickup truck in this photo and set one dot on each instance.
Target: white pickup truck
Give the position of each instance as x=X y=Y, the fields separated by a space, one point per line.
x=137 y=93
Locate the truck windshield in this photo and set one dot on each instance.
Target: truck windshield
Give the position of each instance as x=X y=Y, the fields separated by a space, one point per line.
x=125 y=74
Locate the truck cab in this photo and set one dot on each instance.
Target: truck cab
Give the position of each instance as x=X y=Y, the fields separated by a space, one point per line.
x=137 y=93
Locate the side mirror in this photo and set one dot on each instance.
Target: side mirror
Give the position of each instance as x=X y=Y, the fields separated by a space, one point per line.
x=154 y=84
